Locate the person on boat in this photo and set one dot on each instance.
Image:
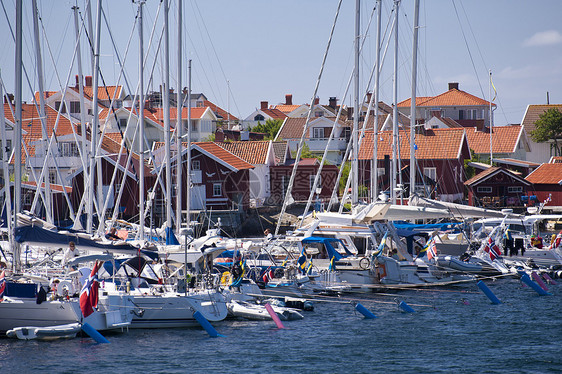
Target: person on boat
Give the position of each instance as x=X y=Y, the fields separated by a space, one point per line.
x=268 y=234
x=536 y=241
x=112 y=234
x=70 y=253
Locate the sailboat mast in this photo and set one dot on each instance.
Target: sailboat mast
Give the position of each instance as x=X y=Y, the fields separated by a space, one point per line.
x=491 y=122
x=413 y=99
x=188 y=172
x=4 y=156
x=356 y=110
x=17 y=119
x=179 y=123
x=375 y=168
x=395 y=170
x=141 y=126
x=166 y=99
x=95 y=123
x=81 y=92
x=42 y=117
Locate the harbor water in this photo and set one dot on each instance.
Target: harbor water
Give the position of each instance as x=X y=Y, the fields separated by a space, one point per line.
x=452 y=330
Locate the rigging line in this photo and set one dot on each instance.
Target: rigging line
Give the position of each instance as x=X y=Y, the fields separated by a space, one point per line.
x=468 y=49
x=301 y=142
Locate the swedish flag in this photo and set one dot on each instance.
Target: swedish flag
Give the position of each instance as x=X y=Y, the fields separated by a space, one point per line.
x=508 y=235
x=302 y=262
x=332 y=264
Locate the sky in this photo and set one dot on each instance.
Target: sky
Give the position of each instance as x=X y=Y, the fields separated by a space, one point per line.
x=247 y=51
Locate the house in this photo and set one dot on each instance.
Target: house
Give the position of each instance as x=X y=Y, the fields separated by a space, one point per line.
x=316 y=136
x=539 y=152
x=497 y=187
x=464 y=108
x=304 y=181
x=261 y=155
x=203 y=121
x=547 y=181
x=219 y=179
x=262 y=115
x=440 y=155
x=57 y=199
x=507 y=142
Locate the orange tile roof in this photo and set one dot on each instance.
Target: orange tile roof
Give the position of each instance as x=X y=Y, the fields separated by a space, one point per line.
x=219 y=112
x=481 y=175
x=274 y=113
x=546 y=174
x=436 y=144
x=224 y=155
x=504 y=139
x=533 y=113
x=106 y=93
x=253 y=152
x=292 y=127
x=453 y=97
x=31 y=122
x=284 y=107
x=54 y=187
x=196 y=113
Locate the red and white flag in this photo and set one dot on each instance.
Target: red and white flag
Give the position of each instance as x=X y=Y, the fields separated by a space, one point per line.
x=431 y=250
x=492 y=249
x=89 y=292
x=2 y=286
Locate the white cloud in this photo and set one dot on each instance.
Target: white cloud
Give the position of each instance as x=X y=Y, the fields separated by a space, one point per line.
x=549 y=37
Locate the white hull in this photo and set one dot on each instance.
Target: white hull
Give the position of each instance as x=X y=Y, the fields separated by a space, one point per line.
x=170 y=309
x=45 y=333
x=21 y=312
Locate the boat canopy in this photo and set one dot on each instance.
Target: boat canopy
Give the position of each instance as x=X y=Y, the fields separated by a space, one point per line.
x=445 y=226
x=327 y=242
x=39 y=236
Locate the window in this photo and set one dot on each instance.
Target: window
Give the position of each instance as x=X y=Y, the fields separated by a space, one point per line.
x=122 y=123
x=484 y=189
x=461 y=114
x=69 y=149
x=217 y=189
x=27 y=199
x=514 y=189
x=74 y=107
x=347 y=133
x=312 y=182
x=195 y=165
x=319 y=113
x=318 y=132
x=57 y=106
x=259 y=117
x=430 y=173
x=52 y=176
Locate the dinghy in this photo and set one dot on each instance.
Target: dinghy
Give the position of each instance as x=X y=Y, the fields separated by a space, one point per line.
x=45 y=333
x=455 y=263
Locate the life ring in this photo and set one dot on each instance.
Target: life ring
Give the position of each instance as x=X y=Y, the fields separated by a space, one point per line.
x=364 y=263
x=278 y=273
x=65 y=286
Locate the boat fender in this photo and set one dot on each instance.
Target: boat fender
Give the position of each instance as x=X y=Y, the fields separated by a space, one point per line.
x=65 y=288
x=381 y=270
x=364 y=263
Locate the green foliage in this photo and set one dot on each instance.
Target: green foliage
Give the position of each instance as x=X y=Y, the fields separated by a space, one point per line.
x=344 y=175
x=270 y=128
x=469 y=170
x=210 y=138
x=548 y=127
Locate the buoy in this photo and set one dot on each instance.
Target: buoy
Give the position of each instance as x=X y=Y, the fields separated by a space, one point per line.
x=488 y=292
x=549 y=279
x=366 y=312
x=405 y=307
x=274 y=316
x=206 y=325
x=93 y=333
x=539 y=280
x=525 y=278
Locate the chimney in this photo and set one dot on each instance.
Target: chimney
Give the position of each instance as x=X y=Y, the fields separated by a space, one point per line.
x=333 y=102
x=77 y=81
x=317 y=101
x=219 y=136
x=350 y=113
x=369 y=94
x=88 y=81
x=453 y=85
x=10 y=98
x=264 y=105
x=289 y=99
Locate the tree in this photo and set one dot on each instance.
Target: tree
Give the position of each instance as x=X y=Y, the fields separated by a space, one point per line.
x=549 y=127
x=270 y=128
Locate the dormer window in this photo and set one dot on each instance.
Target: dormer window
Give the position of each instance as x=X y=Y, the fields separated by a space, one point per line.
x=259 y=117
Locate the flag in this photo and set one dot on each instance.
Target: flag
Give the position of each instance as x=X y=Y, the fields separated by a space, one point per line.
x=302 y=261
x=492 y=249
x=381 y=245
x=2 y=286
x=89 y=292
x=494 y=87
x=508 y=235
x=332 y=264
x=431 y=249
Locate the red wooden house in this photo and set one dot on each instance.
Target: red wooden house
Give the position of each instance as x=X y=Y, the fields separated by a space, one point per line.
x=496 y=187
x=547 y=181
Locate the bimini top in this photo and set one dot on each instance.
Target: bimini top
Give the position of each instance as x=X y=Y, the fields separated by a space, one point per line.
x=332 y=252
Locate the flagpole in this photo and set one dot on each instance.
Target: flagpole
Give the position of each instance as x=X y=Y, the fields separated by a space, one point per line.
x=491 y=123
